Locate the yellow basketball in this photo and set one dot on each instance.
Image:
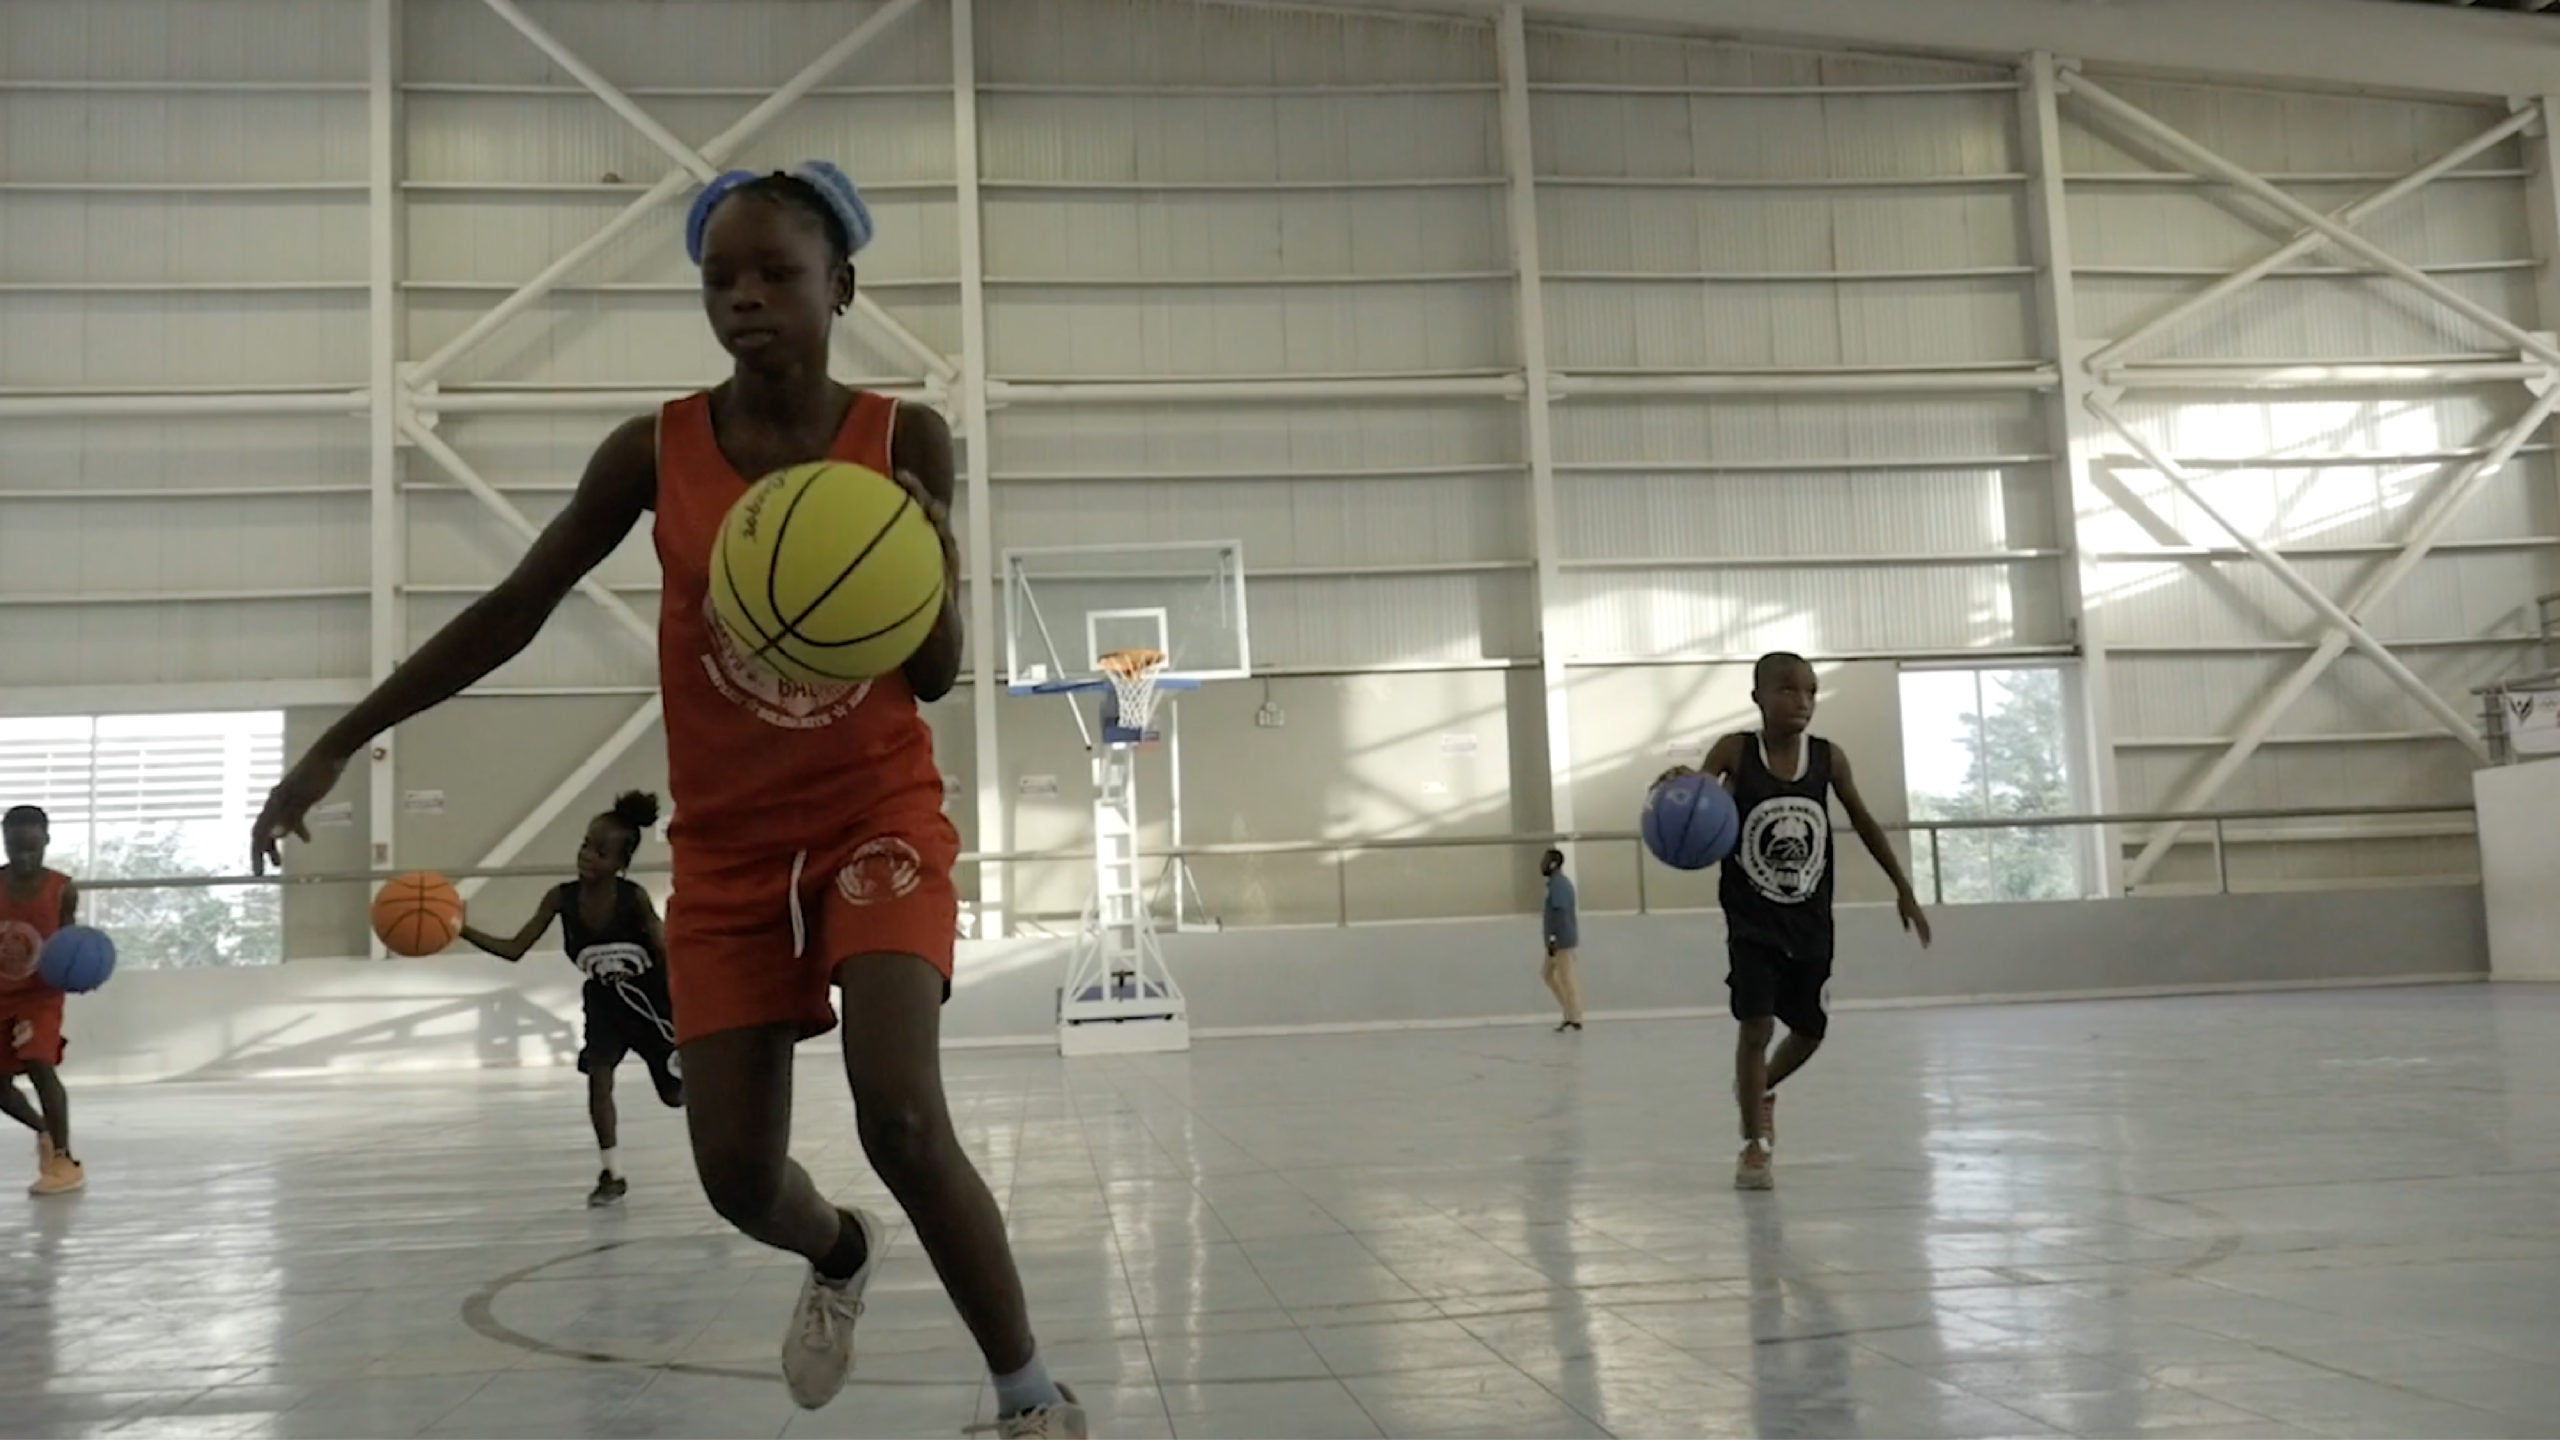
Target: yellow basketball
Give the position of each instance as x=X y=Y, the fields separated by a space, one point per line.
x=827 y=573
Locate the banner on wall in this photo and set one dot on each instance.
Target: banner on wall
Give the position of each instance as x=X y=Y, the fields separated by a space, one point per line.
x=2533 y=721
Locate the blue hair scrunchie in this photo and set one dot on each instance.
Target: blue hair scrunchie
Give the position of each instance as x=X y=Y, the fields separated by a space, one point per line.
x=833 y=186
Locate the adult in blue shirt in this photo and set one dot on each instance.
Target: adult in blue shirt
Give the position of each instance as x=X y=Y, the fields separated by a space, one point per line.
x=1564 y=933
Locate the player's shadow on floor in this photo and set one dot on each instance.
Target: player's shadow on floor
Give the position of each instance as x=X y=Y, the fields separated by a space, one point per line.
x=505 y=1019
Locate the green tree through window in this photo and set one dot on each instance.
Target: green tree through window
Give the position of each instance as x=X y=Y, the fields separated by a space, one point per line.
x=137 y=797
x=2010 y=741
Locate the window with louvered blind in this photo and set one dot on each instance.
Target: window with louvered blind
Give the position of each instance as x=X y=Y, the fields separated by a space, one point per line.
x=150 y=797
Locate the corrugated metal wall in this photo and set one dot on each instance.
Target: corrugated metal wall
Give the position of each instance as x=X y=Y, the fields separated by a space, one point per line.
x=1709 y=207
x=1178 y=191
x=163 y=225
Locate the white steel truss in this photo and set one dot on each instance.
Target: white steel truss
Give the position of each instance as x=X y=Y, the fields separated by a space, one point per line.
x=401 y=402
x=692 y=167
x=2108 y=367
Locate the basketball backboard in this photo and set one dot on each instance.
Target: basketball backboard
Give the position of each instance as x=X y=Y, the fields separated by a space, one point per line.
x=1067 y=606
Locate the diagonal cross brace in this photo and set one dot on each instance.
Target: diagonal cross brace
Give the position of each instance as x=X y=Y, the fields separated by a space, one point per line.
x=551 y=807
x=2206 y=162
x=433 y=446
x=2422 y=537
x=719 y=148
x=701 y=169
x=2459 y=724
x=2307 y=240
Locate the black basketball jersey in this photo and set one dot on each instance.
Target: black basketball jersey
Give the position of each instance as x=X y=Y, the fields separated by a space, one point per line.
x=1776 y=886
x=620 y=961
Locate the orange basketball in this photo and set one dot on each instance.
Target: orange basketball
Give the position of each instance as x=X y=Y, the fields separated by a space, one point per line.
x=417 y=914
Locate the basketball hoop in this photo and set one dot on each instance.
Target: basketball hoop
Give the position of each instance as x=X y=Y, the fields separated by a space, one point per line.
x=1133 y=675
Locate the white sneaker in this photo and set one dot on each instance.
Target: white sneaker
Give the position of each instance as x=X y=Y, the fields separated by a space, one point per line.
x=817 y=1353
x=1062 y=1421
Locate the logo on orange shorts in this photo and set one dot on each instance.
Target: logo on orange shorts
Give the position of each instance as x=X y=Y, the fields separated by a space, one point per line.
x=19 y=947
x=883 y=869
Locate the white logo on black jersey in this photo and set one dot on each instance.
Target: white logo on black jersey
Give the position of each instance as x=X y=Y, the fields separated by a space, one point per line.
x=614 y=960
x=1786 y=843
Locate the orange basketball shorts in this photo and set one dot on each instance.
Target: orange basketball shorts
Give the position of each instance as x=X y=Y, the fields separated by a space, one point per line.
x=756 y=937
x=30 y=1030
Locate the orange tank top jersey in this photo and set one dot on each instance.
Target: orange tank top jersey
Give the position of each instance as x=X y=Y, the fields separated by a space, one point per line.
x=757 y=763
x=25 y=924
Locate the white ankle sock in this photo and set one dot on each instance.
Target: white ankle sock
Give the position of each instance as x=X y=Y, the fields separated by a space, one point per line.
x=610 y=1168
x=1028 y=1388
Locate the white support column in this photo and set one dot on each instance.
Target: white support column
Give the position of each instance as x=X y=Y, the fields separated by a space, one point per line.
x=2542 y=202
x=387 y=567
x=2067 y=426
x=1519 y=155
x=985 y=696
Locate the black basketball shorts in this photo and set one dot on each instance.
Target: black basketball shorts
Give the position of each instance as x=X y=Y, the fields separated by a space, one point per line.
x=614 y=1031
x=1768 y=981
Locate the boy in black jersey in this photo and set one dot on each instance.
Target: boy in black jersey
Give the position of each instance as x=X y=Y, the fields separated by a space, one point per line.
x=1776 y=891
x=614 y=937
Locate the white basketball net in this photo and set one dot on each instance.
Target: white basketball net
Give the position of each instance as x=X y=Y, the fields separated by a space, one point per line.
x=1133 y=675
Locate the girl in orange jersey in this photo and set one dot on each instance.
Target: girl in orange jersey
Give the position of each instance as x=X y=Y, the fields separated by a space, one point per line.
x=811 y=852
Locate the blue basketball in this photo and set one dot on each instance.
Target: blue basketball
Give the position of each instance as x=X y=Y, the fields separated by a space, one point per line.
x=77 y=959
x=1689 y=822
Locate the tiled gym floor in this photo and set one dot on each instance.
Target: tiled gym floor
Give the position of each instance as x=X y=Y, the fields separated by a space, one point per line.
x=2305 y=1214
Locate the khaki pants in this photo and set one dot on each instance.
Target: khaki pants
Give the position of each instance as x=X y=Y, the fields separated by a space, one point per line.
x=1563 y=983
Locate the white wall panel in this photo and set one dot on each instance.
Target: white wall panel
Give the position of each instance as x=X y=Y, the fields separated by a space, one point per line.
x=200 y=340
x=1186 y=441
x=54 y=237
x=225 y=137
x=1673 y=231
x=1914 y=323
x=1193 y=235
x=306 y=40
x=1427 y=519
x=1167 y=42
x=1315 y=139
x=1668 y=514
x=1879 y=609
x=1740 y=431
x=1149 y=333
x=68 y=458
x=1400 y=620
x=1321 y=192
x=178 y=644
x=127 y=217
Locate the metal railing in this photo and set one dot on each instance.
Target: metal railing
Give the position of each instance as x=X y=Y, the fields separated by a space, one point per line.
x=1929 y=839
